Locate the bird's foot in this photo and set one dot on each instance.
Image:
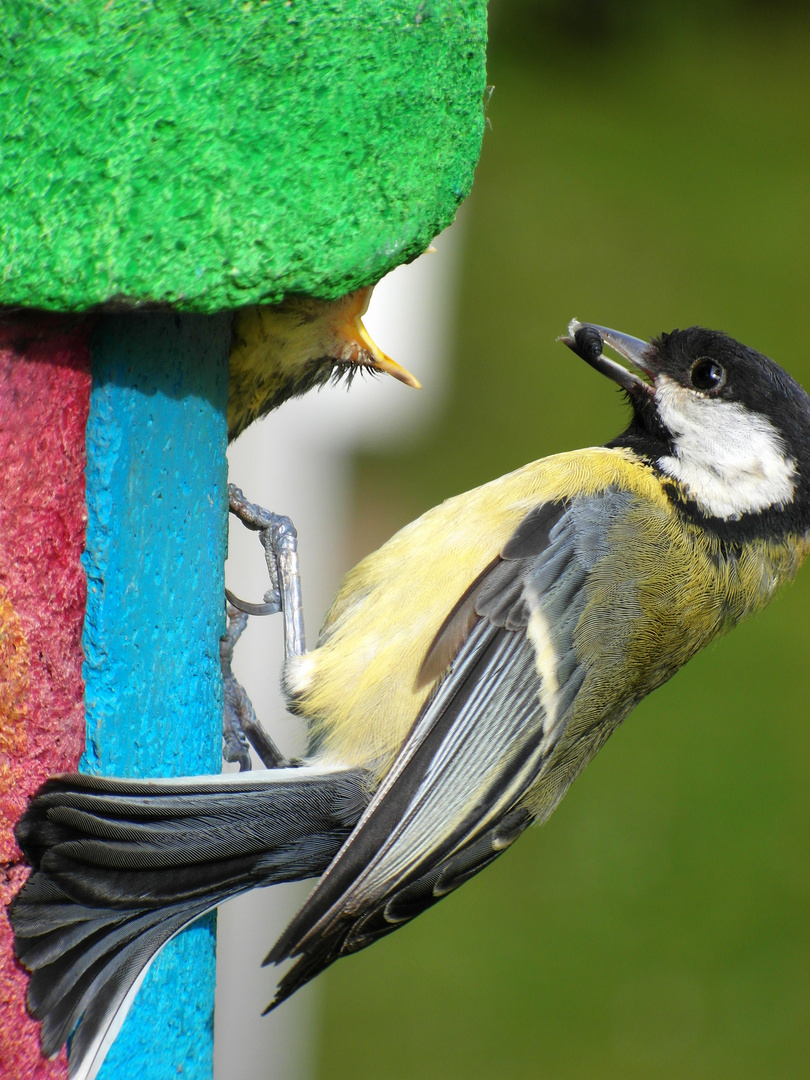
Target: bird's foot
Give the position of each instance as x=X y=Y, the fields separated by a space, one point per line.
x=280 y=542
x=240 y=726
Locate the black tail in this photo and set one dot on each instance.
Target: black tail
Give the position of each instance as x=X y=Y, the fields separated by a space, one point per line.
x=121 y=866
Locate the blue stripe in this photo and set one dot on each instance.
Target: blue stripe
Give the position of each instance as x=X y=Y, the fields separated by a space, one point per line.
x=156 y=535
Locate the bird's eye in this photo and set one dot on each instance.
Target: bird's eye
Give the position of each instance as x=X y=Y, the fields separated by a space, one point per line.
x=707 y=375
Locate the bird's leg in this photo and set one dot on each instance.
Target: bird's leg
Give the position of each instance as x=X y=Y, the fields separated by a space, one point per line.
x=280 y=543
x=240 y=725
x=234 y=737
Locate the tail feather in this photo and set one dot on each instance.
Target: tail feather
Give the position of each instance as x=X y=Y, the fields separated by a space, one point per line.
x=45 y=933
x=108 y=998
x=59 y=990
x=156 y=830
x=122 y=866
x=96 y=992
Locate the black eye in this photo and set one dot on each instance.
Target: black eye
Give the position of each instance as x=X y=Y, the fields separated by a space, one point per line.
x=707 y=375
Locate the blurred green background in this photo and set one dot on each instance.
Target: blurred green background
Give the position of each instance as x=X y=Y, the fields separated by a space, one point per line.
x=647 y=168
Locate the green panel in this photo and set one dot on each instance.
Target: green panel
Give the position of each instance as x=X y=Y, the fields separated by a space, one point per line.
x=213 y=154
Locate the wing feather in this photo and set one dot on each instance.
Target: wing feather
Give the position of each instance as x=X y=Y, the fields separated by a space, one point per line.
x=451 y=802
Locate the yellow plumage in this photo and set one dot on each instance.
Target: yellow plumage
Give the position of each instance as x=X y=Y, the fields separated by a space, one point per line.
x=359 y=689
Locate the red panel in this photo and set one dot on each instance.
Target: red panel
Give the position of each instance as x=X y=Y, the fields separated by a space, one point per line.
x=44 y=399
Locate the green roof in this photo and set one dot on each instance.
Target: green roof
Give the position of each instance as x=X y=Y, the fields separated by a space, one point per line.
x=215 y=154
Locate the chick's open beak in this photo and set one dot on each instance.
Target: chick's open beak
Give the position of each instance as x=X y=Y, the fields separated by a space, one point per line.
x=360 y=349
x=587 y=341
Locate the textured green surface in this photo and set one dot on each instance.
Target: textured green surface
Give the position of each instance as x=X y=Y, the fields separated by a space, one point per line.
x=215 y=154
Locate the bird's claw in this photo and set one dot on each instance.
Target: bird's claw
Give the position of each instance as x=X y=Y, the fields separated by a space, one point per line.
x=271 y=605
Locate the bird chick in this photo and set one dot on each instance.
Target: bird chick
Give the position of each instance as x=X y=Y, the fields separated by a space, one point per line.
x=284 y=350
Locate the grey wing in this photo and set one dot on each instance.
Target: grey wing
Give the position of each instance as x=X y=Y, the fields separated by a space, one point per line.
x=452 y=801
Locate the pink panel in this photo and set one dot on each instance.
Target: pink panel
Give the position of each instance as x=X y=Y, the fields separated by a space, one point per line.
x=44 y=399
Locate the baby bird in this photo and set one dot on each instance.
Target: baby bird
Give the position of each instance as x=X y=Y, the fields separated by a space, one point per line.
x=284 y=350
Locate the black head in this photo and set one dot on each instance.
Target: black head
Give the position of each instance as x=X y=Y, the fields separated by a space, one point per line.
x=726 y=424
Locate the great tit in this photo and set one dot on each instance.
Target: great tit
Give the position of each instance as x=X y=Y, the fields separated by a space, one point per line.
x=284 y=350
x=465 y=675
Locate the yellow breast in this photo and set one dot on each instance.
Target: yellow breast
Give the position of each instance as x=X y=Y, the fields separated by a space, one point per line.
x=358 y=688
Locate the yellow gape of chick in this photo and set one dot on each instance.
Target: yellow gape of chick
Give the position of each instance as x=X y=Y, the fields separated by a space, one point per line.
x=465 y=675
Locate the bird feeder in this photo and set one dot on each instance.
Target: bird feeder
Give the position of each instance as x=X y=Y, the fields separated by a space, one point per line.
x=161 y=166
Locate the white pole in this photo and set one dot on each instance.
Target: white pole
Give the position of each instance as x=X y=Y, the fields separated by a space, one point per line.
x=299 y=462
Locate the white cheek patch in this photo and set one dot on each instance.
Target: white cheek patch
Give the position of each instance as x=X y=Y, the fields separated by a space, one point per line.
x=729 y=460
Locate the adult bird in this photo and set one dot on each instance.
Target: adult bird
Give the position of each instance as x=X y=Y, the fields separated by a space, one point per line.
x=464 y=676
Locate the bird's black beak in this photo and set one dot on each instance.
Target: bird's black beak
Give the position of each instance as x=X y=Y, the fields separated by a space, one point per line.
x=587 y=341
